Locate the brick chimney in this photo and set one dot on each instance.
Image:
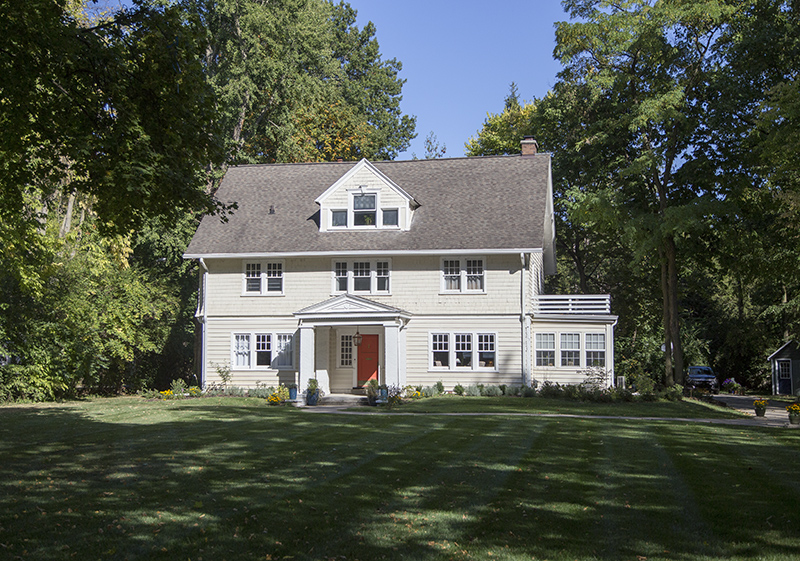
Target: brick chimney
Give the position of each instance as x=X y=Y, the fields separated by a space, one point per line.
x=529 y=146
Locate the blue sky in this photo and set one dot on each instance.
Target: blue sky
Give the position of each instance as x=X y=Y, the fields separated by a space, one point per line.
x=460 y=57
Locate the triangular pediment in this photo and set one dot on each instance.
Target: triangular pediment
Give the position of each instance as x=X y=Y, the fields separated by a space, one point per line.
x=358 y=171
x=349 y=305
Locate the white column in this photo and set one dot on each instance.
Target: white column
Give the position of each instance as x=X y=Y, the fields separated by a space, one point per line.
x=306 y=366
x=391 y=355
x=322 y=358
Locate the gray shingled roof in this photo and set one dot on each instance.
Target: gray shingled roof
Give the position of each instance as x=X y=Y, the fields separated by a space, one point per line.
x=496 y=202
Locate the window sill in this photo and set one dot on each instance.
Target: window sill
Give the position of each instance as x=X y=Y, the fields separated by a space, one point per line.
x=266 y=294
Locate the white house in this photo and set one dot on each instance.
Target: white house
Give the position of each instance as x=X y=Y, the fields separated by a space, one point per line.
x=411 y=272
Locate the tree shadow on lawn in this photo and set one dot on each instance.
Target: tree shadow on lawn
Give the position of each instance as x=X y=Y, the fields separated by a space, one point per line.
x=219 y=480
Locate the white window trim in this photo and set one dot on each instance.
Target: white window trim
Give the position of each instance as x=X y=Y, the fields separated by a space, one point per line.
x=350 y=210
x=462 y=263
x=273 y=346
x=373 y=275
x=584 y=363
x=264 y=278
x=475 y=362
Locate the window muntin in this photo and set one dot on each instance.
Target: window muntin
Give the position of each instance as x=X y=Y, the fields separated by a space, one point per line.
x=451 y=269
x=263 y=278
x=463 y=350
x=464 y=275
x=339 y=218
x=262 y=351
x=284 y=357
x=364 y=209
x=545 y=349
x=340 y=272
x=596 y=349
x=440 y=346
x=362 y=277
x=570 y=349
x=274 y=277
x=486 y=351
x=346 y=350
x=241 y=350
x=390 y=217
x=252 y=279
x=463 y=353
x=382 y=276
x=475 y=274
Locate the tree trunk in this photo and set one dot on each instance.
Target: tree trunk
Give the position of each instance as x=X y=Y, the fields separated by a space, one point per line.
x=672 y=278
x=666 y=315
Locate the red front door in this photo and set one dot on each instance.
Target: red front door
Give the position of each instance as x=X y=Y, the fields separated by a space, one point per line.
x=367 y=359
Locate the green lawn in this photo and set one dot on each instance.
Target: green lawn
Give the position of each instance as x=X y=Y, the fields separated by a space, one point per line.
x=686 y=409
x=232 y=479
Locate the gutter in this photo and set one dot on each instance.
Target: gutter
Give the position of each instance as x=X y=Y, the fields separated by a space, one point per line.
x=202 y=315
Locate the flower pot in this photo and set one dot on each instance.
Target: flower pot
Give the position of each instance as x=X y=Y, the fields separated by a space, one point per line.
x=760 y=412
x=293 y=393
x=794 y=419
x=312 y=397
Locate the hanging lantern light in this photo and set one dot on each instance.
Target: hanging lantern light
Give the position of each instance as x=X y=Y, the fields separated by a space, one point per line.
x=357 y=338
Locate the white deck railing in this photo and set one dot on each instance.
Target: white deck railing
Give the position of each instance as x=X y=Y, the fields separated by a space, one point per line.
x=577 y=304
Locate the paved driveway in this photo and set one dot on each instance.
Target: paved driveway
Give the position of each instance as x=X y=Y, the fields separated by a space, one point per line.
x=775 y=416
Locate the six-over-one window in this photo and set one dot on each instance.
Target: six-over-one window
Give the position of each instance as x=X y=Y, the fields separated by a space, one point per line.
x=263 y=278
x=463 y=351
x=263 y=350
x=570 y=353
x=463 y=274
x=362 y=276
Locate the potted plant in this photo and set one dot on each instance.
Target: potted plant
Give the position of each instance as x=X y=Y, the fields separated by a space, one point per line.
x=292 y=392
x=794 y=413
x=760 y=405
x=383 y=393
x=371 y=388
x=312 y=392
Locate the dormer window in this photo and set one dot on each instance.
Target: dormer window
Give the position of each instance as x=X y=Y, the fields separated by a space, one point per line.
x=390 y=217
x=365 y=209
x=339 y=218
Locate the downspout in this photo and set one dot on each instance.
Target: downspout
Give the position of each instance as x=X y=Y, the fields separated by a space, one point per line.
x=525 y=322
x=202 y=312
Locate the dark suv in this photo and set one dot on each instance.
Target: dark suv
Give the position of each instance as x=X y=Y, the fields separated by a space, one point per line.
x=701 y=377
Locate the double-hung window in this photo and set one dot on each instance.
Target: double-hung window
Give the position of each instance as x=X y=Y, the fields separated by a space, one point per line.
x=365 y=209
x=262 y=351
x=263 y=278
x=463 y=351
x=570 y=349
x=596 y=349
x=463 y=275
x=362 y=277
x=545 y=349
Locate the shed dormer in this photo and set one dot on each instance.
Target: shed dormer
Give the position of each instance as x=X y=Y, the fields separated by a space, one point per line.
x=365 y=199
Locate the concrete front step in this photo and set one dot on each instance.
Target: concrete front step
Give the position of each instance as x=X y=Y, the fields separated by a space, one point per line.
x=343 y=399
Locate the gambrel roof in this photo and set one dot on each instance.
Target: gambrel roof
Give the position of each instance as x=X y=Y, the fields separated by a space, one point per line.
x=492 y=204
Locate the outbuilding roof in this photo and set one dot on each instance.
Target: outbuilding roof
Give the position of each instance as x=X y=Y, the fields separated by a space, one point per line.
x=501 y=203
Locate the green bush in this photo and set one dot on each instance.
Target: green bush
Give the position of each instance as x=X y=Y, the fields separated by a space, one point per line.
x=492 y=391
x=503 y=388
x=472 y=390
x=439 y=387
x=528 y=391
x=512 y=390
x=458 y=389
x=429 y=391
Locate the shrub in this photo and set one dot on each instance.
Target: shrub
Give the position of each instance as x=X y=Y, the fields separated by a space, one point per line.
x=178 y=388
x=458 y=389
x=673 y=393
x=527 y=391
x=643 y=383
x=512 y=390
x=439 y=387
x=492 y=391
x=472 y=390
x=394 y=396
x=429 y=391
x=503 y=388
x=549 y=389
x=261 y=391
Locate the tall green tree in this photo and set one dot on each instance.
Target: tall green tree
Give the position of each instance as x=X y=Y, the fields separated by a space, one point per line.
x=652 y=61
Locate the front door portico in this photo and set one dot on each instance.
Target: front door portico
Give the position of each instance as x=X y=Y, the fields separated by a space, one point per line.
x=381 y=354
